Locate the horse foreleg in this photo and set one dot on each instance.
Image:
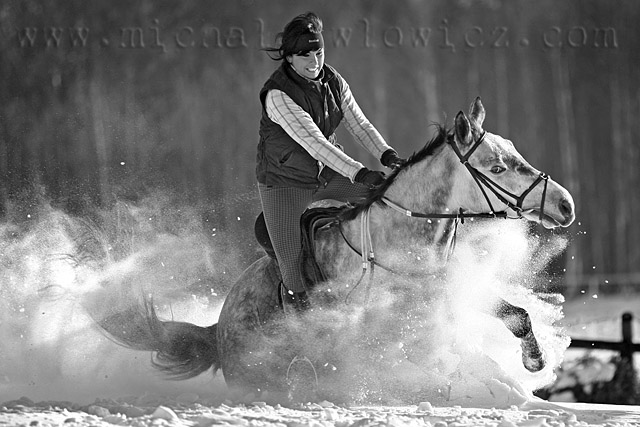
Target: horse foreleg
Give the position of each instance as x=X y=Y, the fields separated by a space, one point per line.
x=517 y=320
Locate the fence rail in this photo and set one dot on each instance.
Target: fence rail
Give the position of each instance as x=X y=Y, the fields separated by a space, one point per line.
x=626 y=347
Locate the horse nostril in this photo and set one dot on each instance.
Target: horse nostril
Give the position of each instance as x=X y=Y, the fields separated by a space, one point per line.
x=566 y=208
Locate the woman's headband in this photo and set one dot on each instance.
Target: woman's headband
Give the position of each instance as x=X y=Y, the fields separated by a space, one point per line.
x=308 y=42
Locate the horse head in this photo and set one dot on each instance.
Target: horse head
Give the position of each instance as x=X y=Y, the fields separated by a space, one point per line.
x=468 y=171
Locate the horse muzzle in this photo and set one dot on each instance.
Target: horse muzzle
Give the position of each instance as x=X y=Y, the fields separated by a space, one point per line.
x=560 y=213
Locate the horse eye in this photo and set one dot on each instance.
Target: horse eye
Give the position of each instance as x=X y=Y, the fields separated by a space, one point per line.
x=498 y=169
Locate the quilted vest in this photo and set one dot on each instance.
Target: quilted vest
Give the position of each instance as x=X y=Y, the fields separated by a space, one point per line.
x=281 y=161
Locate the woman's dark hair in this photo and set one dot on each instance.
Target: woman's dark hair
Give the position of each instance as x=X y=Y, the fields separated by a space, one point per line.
x=301 y=24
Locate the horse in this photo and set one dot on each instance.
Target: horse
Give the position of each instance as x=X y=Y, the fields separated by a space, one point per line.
x=405 y=231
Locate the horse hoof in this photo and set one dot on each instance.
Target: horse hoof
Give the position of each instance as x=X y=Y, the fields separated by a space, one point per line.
x=302 y=380
x=532 y=355
x=533 y=365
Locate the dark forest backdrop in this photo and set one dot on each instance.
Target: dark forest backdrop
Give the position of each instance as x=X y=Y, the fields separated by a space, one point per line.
x=105 y=101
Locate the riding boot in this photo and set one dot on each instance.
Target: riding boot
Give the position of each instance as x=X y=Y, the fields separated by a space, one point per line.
x=294 y=302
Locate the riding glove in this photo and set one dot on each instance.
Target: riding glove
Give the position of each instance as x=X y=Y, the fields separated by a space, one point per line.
x=368 y=177
x=391 y=159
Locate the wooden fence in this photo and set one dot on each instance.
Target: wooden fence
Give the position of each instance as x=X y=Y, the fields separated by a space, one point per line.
x=626 y=347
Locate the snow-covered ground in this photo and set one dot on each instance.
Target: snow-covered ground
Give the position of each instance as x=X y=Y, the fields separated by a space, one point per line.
x=202 y=402
x=189 y=412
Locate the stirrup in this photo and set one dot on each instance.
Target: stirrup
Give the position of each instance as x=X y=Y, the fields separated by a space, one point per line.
x=303 y=384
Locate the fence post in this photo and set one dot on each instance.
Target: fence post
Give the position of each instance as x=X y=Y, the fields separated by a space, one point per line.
x=626 y=352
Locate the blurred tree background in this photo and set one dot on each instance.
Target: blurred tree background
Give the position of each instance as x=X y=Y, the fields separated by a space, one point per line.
x=105 y=100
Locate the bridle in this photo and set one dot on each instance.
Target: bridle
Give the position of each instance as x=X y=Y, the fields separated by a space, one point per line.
x=484 y=183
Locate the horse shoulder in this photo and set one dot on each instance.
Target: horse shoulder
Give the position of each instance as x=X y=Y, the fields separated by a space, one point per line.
x=333 y=254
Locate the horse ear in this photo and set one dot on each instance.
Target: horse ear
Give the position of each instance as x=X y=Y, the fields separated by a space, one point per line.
x=477 y=113
x=463 y=129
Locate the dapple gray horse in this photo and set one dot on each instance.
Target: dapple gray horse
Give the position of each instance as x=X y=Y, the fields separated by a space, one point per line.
x=462 y=173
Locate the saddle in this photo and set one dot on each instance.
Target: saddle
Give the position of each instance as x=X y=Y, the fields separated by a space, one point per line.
x=311 y=222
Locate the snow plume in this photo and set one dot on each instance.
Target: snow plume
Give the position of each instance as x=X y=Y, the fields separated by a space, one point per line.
x=52 y=264
x=416 y=341
x=502 y=259
x=433 y=340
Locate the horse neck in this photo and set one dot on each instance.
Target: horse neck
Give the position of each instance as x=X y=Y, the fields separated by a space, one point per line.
x=425 y=186
x=409 y=243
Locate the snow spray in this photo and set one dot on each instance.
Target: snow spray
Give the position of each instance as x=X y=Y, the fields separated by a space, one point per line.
x=432 y=339
x=435 y=345
x=51 y=262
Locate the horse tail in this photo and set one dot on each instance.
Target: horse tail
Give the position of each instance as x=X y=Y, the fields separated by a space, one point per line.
x=182 y=350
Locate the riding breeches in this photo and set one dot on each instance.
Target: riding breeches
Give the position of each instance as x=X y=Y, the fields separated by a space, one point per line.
x=283 y=207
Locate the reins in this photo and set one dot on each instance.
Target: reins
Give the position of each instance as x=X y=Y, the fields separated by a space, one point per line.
x=483 y=182
x=367 y=254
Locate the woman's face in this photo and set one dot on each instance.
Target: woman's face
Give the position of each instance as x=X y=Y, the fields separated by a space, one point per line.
x=308 y=64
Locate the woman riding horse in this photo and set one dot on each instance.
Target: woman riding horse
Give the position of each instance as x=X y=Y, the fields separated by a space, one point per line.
x=299 y=161
x=463 y=172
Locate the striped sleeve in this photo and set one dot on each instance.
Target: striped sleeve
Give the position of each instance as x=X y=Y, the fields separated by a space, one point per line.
x=359 y=126
x=300 y=126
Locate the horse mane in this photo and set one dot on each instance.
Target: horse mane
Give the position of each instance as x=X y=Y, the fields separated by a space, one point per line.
x=440 y=138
